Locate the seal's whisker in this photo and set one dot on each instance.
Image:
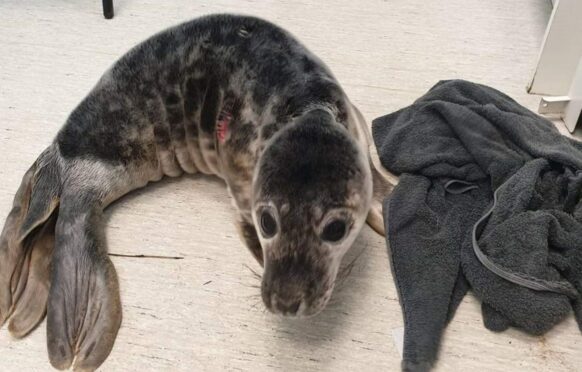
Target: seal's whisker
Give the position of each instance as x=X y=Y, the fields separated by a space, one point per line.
x=256 y=304
x=253 y=296
x=251 y=286
x=255 y=274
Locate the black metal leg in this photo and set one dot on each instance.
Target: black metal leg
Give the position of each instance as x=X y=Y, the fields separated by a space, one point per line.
x=108 y=9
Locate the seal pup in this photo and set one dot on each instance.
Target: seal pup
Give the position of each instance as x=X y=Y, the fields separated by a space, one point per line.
x=232 y=96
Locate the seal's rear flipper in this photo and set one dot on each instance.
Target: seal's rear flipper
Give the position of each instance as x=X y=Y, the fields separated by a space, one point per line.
x=384 y=182
x=84 y=308
x=26 y=246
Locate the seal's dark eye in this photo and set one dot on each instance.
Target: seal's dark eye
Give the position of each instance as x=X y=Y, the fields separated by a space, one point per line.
x=268 y=224
x=334 y=231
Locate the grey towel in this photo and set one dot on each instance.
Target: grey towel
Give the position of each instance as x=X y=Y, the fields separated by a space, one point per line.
x=488 y=199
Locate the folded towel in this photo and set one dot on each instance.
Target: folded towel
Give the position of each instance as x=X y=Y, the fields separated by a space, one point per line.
x=489 y=197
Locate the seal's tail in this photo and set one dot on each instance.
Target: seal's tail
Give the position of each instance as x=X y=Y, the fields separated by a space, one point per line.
x=26 y=246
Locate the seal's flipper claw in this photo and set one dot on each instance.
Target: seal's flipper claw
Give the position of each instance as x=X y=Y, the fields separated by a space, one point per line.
x=84 y=308
x=249 y=235
x=25 y=254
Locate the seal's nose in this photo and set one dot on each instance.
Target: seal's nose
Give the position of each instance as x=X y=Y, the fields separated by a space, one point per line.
x=290 y=285
x=283 y=300
x=289 y=306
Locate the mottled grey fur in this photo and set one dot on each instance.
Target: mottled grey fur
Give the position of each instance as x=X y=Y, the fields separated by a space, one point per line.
x=295 y=145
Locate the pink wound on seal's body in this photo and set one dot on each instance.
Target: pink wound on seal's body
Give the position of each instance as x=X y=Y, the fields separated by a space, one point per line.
x=222 y=126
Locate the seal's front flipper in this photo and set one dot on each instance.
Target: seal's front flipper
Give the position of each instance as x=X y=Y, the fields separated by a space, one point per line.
x=384 y=182
x=26 y=245
x=249 y=235
x=84 y=308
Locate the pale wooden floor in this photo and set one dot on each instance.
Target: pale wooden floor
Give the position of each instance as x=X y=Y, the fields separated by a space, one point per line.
x=203 y=312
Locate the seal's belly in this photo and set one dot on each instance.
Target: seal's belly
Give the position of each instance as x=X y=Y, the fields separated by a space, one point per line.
x=181 y=142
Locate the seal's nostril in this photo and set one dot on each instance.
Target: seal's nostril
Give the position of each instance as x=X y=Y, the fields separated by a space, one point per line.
x=294 y=307
x=289 y=307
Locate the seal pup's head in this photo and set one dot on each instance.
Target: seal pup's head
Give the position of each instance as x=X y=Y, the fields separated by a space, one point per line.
x=312 y=190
